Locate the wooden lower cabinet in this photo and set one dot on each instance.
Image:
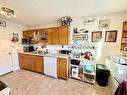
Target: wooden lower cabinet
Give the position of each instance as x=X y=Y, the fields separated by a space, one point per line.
x=36 y=63
x=39 y=64
x=31 y=62
x=23 y=61
x=62 y=68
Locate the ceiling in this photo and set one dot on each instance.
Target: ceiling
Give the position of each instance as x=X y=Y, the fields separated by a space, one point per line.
x=36 y=12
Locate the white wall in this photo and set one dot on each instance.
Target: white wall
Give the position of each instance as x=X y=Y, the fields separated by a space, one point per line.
x=12 y=27
x=126 y=15
x=56 y=24
x=108 y=48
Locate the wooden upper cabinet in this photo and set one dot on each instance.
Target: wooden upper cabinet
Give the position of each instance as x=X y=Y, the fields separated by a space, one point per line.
x=62 y=68
x=58 y=35
x=125 y=26
x=40 y=35
x=55 y=35
x=28 y=33
x=50 y=36
x=63 y=35
x=124 y=33
x=124 y=37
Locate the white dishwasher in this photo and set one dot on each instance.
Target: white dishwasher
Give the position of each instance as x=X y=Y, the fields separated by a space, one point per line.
x=50 y=66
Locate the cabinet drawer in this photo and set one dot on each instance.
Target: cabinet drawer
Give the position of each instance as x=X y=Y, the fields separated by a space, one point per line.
x=64 y=60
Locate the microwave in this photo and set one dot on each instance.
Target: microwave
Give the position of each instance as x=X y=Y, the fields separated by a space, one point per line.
x=27 y=40
x=28 y=48
x=65 y=52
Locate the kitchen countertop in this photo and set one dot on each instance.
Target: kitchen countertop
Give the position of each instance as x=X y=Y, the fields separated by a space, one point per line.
x=46 y=55
x=116 y=63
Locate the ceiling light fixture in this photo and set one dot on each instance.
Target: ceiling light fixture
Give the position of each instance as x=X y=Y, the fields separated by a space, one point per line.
x=7 y=12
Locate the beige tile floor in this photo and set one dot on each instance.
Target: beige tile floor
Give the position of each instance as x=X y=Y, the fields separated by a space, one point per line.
x=25 y=82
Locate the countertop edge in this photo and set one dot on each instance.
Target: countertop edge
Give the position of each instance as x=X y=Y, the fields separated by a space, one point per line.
x=47 y=55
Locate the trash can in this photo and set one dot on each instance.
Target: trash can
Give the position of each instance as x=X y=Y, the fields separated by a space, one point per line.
x=102 y=74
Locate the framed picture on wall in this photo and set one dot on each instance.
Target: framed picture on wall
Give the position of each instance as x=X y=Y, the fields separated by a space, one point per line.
x=111 y=36
x=104 y=24
x=2 y=23
x=96 y=36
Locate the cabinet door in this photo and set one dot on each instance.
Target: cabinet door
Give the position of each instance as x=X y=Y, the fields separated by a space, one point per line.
x=62 y=68
x=23 y=61
x=25 y=34
x=58 y=35
x=124 y=36
x=63 y=35
x=125 y=26
x=39 y=64
x=28 y=33
x=55 y=35
x=31 y=62
x=50 y=36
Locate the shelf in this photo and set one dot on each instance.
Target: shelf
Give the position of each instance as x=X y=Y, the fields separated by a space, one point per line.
x=82 y=59
x=88 y=73
x=78 y=78
x=80 y=36
x=89 y=79
x=89 y=76
x=74 y=65
x=39 y=41
x=79 y=33
x=43 y=40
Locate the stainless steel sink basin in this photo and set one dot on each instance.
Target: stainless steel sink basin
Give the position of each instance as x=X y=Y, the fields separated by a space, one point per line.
x=38 y=52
